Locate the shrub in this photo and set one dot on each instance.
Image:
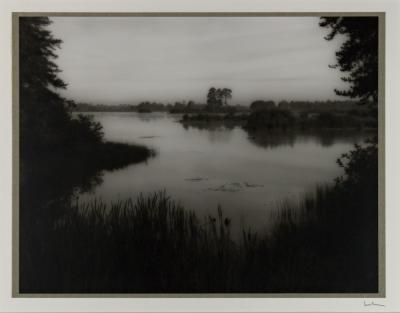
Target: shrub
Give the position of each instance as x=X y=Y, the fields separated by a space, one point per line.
x=261 y=105
x=270 y=119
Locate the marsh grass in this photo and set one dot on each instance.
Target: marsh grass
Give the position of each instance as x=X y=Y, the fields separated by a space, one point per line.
x=153 y=245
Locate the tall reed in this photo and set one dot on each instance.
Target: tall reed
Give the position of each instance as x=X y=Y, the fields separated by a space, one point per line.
x=153 y=245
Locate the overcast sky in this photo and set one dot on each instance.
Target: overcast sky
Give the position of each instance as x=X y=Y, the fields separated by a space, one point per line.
x=113 y=60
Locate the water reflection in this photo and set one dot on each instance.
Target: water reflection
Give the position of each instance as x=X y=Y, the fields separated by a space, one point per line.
x=201 y=165
x=325 y=138
x=206 y=165
x=271 y=139
x=210 y=126
x=222 y=131
x=149 y=116
x=216 y=132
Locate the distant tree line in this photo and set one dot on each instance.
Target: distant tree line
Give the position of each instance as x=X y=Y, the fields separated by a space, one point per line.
x=142 y=107
x=267 y=114
x=193 y=107
x=333 y=105
x=323 y=105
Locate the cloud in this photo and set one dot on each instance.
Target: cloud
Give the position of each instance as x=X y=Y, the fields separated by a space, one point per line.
x=130 y=59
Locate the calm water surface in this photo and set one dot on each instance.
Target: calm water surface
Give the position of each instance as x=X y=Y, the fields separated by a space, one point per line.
x=248 y=175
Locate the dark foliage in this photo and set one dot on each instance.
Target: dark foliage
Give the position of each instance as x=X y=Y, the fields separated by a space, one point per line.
x=328 y=120
x=47 y=129
x=261 y=105
x=358 y=55
x=45 y=122
x=271 y=119
x=210 y=118
x=216 y=98
x=360 y=167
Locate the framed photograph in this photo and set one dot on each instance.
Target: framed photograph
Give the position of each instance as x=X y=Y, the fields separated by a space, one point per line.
x=203 y=159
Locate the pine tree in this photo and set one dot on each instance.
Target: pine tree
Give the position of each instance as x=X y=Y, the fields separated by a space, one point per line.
x=358 y=55
x=227 y=94
x=45 y=122
x=43 y=116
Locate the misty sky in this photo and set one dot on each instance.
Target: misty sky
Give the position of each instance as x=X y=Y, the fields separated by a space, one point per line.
x=114 y=60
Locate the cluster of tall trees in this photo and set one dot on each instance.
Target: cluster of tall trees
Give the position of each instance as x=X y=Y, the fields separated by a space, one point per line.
x=218 y=97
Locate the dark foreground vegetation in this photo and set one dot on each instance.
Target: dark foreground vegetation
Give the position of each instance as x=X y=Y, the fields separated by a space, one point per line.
x=326 y=243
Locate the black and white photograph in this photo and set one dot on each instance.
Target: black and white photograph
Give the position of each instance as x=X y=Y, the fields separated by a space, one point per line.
x=199 y=154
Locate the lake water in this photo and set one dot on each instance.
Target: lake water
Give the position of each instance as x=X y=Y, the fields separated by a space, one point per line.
x=203 y=167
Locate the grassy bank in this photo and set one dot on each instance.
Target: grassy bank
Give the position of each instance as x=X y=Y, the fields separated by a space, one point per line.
x=90 y=156
x=111 y=155
x=150 y=244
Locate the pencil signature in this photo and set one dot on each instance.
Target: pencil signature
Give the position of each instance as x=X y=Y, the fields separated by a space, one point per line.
x=372 y=303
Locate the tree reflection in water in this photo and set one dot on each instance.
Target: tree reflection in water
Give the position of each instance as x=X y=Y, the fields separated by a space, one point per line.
x=325 y=138
x=221 y=131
